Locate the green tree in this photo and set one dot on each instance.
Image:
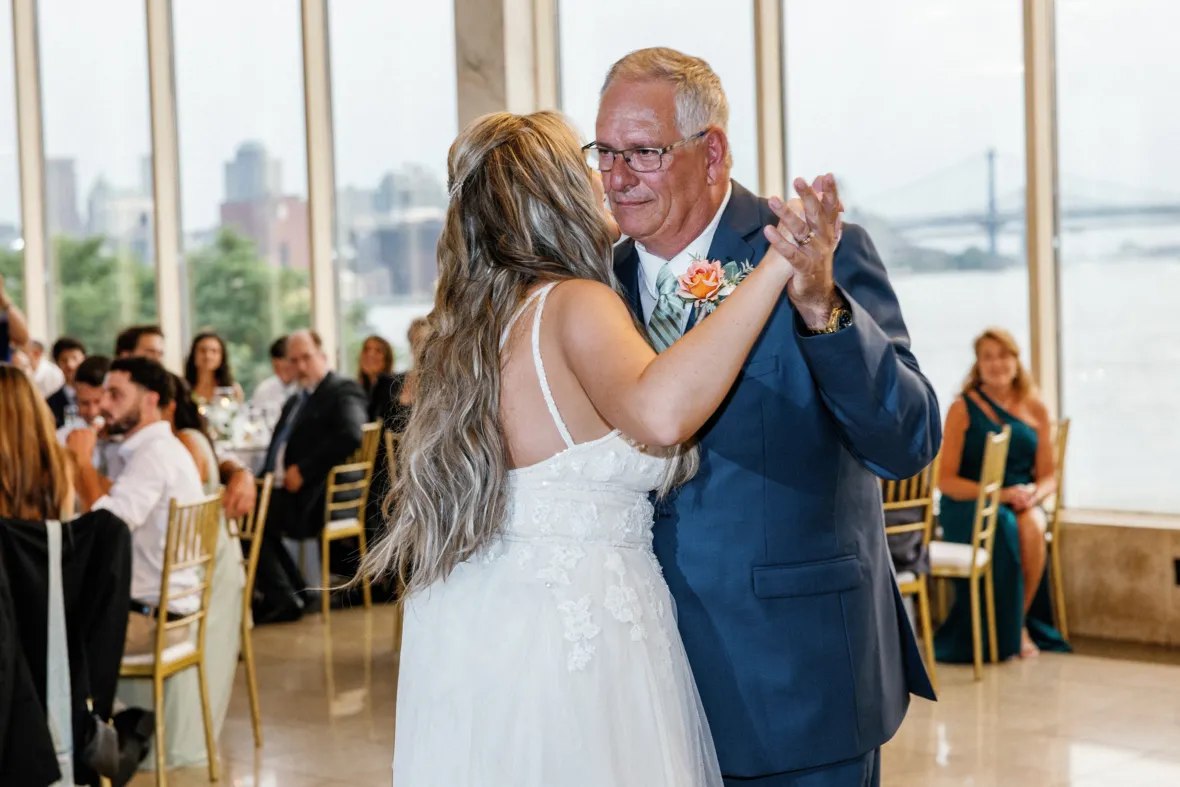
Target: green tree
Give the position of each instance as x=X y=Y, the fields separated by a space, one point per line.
x=12 y=268
x=249 y=303
x=97 y=294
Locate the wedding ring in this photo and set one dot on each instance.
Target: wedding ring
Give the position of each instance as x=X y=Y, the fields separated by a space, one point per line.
x=805 y=241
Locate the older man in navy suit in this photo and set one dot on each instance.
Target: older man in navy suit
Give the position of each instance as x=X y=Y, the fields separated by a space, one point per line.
x=776 y=552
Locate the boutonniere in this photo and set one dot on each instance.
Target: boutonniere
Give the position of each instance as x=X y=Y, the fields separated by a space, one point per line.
x=707 y=283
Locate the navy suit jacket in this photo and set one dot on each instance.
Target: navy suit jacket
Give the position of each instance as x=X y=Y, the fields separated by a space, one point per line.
x=775 y=553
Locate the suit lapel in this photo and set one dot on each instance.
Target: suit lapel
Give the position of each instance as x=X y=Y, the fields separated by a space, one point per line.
x=627 y=272
x=730 y=244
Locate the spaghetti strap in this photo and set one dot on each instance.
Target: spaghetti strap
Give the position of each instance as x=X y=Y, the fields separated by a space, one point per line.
x=519 y=311
x=541 y=378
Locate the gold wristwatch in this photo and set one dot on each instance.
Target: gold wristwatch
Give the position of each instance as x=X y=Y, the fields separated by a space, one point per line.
x=840 y=319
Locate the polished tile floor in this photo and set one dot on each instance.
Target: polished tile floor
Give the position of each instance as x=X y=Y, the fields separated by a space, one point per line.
x=1106 y=717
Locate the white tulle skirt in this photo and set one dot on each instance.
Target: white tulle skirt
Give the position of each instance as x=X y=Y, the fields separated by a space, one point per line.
x=549 y=663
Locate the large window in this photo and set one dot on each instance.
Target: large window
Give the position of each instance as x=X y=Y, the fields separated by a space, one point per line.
x=394 y=117
x=98 y=196
x=917 y=106
x=243 y=174
x=1119 y=190
x=11 y=259
x=594 y=35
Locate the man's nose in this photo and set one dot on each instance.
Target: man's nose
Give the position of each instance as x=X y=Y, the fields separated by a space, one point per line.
x=620 y=176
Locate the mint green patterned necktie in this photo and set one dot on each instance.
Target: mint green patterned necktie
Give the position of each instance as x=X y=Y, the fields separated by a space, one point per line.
x=664 y=325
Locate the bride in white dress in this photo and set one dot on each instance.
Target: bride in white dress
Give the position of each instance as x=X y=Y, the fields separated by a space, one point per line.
x=540 y=646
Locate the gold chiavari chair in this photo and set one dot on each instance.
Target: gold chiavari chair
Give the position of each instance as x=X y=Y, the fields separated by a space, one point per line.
x=1053 y=529
x=348 y=491
x=248 y=528
x=916 y=494
x=191 y=543
x=973 y=561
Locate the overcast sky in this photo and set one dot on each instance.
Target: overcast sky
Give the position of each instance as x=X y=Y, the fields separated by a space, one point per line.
x=886 y=94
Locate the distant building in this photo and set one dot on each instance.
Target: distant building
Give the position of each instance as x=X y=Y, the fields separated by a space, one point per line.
x=404 y=245
x=257 y=208
x=252 y=175
x=61 y=197
x=278 y=226
x=124 y=218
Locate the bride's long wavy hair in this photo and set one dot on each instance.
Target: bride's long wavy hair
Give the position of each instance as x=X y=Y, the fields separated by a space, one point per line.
x=522 y=212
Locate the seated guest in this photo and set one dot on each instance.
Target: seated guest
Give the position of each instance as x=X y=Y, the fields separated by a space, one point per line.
x=68 y=354
x=998 y=393
x=146 y=341
x=157 y=469
x=35 y=486
x=207 y=368
x=46 y=376
x=186 y=738
x=88 y=393
x=141 y=341
x=376 y=362
x=318 y=429
x=273 y=392
x=14 y=331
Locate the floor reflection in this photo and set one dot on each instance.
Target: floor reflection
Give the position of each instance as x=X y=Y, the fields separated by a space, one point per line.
x=1107 y=716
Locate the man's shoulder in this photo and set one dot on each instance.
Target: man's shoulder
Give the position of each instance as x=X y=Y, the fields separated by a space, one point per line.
x=623 y=251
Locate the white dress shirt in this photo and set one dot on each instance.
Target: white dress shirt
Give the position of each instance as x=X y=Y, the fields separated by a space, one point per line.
x=271 y=394
x=650 y=264
x=158 y=469
x=48 y=378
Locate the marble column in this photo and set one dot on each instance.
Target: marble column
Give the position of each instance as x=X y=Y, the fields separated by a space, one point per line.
x=505 y=52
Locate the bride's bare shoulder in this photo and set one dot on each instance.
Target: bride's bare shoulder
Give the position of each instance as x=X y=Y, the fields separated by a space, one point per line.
x=585 y=298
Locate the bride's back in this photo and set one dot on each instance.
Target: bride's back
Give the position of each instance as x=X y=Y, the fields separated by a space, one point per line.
x=522 y=214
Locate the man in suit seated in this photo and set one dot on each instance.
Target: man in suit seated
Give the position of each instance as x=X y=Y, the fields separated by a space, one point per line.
x=319 y=428
x=68 y=354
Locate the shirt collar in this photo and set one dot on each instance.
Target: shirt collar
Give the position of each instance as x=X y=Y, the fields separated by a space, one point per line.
x=650 y=264
x=145 y=435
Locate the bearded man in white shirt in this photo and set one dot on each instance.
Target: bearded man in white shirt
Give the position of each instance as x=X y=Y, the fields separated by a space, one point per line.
x=157 y=469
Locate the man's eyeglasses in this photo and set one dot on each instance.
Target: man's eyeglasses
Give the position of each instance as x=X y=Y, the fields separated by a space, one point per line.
x=603 y=158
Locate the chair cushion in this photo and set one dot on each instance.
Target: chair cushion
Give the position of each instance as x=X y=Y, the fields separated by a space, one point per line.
x=947 y=556
x=174 y=653
x=343 y=524
x=906 y=577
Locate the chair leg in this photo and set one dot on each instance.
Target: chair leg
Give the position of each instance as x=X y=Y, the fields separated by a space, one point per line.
x=366 y=588
x=160 y=744
x=1057 y=587
x=927 y=629
x=326 y=593
x=990 y=587
x=976 y=633
x=207 y=717
x=252 y=681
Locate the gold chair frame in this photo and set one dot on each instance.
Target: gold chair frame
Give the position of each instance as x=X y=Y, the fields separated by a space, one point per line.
x=361 y=462
x=983 y=532
x=916 y=491
x=249 y=528
x=1053 y=530
x=191 y=543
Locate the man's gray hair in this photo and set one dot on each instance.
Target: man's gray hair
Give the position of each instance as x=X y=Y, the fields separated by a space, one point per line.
x=700 y=99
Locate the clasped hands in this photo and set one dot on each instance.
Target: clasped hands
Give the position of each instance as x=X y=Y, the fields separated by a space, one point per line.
x=806 y=237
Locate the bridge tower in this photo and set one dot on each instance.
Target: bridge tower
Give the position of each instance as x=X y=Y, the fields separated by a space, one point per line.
x=992 y=222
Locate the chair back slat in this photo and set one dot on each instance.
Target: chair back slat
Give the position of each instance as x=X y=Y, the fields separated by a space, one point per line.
x=916 y=492
x=249 y=528
x=191 y=543
x=1053 y=504
x=392 y=443
x=991 y=484
x=367 y=450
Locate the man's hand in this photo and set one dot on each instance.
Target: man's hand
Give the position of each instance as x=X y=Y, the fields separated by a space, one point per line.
x=82 y=443
x=809 y=243
x=293 y=480
x=240 y=493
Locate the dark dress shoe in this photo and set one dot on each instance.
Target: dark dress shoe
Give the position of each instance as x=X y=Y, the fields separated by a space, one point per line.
x=288 y=611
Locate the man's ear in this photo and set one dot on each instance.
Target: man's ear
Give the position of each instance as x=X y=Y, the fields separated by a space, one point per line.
x=716 y=154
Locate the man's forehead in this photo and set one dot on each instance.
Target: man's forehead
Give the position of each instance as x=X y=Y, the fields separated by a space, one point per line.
x=636 y=112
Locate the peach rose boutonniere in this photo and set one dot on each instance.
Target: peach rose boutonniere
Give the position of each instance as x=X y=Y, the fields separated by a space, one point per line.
x=708 y=282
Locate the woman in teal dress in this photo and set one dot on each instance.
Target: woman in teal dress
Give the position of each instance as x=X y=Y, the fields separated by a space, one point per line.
x=998 y=393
